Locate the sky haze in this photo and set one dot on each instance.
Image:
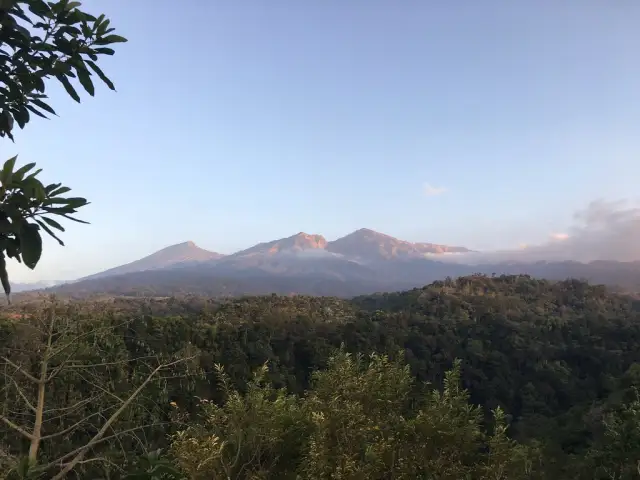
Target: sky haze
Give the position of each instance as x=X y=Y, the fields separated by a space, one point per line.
x=484 y=124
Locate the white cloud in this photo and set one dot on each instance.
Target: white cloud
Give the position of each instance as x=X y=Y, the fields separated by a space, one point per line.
x=604 y=230
x=431 y=191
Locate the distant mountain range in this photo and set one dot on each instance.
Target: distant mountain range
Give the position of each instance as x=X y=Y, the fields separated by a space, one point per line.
x=25 y=287
x=362 y=262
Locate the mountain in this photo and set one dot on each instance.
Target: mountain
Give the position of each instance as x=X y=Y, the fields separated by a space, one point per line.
x=362 y=262
x=25 y=287
x=212 y=282
x=299 y=255
x=370 y=246
x=180 y=254
x=296 y=243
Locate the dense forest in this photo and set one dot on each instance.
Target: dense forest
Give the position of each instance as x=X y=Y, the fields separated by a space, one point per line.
x=482 y=378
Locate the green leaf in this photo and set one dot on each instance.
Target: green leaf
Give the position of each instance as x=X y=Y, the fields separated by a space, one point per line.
x=7 y=171
x=5 y=226
x=102 y=28
x=72 y=5
x=38 y=81
x=76 y=202
x=6 y=124
x=53 y=223
x=85 y=81
x=52 y=187
x=50 y=232
x=59 y=191
x=101 y=74
x=34 y=174
x=68 y=87
x=86 y=30
x=26 y=36
x=57 y=7
x=87 y=17
x=43 y=106
x=31 y=244
x=56 y=201
x=105 y=50
x=21 y=115
x=40 y=9
x=4 y=277
x=69 y=205
x=13 y=248
x=74 y=219
x=56 y=210
x=34 y=110
x=34 y=189
x=22 y=170
x=111 y=39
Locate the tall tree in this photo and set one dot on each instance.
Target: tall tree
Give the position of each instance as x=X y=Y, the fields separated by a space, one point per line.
x=41 y=41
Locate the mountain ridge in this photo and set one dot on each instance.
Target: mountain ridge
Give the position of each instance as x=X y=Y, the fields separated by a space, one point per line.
x=362 y=262
x=373 y=245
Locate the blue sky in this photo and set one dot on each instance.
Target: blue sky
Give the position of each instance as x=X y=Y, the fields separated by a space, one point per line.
x=241 y=122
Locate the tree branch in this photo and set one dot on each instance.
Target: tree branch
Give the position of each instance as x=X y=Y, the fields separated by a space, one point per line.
x=71 y=428
x=70 y=409
x=78 y=337
x=19 y=369
x=24 y=397
x=17 y=428
x=61 y=460
x=97 y=437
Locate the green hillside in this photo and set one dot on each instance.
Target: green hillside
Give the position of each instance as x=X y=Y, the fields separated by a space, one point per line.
x=479 y=377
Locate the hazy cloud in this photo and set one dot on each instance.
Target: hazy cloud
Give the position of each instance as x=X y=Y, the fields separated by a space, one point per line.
x=310 y=253
x=559 y=236
x=431 y=191
x=604 y=230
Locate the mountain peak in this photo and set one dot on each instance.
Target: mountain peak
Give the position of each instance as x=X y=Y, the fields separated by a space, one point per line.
x=311 y=238
x=186 y=245
x=299 y=241
x=367 y=232
x=172 y=255
x=370 y=245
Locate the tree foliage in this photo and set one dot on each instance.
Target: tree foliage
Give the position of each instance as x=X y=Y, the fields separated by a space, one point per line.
x=506 y=377
x=74 y=392
x=27 y=207
x=40 y=41
x=357 y=422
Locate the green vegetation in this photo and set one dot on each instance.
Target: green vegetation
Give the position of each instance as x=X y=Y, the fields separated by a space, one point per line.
x=479 y=377
x=40 y=41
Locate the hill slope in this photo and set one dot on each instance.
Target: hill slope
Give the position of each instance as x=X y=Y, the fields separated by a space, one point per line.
x=181 y=253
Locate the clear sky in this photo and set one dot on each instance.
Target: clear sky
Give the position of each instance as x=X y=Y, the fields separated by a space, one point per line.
x=484 y=124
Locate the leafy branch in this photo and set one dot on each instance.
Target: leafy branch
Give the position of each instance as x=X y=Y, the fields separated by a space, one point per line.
x=26 y=208
x=40 y=40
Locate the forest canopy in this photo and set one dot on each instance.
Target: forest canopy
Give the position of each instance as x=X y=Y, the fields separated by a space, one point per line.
x=478 y=377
